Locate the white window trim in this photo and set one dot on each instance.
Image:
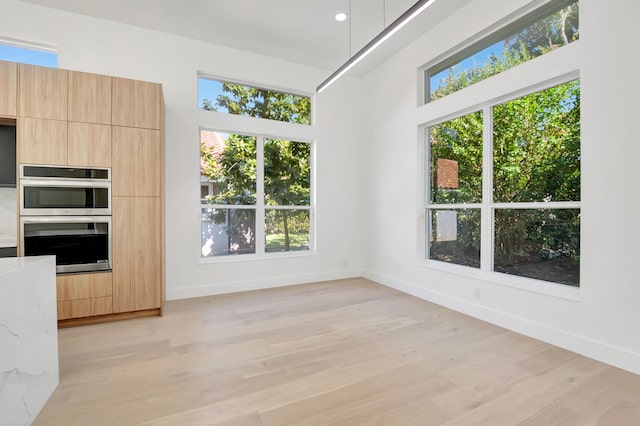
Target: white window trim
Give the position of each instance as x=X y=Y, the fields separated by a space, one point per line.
x=535 y=75
x=260 y=207
x=42 y=47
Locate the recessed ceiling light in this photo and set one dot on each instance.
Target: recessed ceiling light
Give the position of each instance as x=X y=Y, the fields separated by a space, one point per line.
x=341 y=17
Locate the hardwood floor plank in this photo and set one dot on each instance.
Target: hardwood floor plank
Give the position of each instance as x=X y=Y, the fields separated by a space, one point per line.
x=347 y=352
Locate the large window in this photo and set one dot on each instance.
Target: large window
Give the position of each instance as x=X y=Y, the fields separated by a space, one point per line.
x=14 y=51
x=241 y=99
x=535 y=34
x=503 y=187
x=255 y=194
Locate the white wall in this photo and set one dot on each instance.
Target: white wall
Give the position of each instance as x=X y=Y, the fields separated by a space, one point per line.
x=103 y=47
x=603 y=323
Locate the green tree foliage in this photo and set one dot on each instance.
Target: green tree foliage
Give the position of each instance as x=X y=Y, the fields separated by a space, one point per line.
x=536 y=146
x=460 y=140
x=261 y=103
x=557 y=30
x=234 y=171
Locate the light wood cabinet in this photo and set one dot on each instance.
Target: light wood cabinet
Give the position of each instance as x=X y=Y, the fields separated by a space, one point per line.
x=79 y=119
x=84 y=308
x=137 y=253
x=88 y=145
x=42 y=141
x=8 y=89
x=89 y=98
x=136 y=103
x=84 y=286
x=43 y=92
x=136 y=162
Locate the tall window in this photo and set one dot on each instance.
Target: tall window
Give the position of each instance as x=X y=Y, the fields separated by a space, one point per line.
x=255 y=194
x=547 y=29
x=251 y=101
x=533 y=200
x=14 y=51
x=503 y=176
x=255 y=190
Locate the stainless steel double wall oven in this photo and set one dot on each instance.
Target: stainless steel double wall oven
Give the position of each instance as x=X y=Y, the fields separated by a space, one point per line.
x=66 y=212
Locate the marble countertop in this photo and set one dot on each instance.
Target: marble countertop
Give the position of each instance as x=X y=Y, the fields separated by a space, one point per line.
x=29 y=371
x=10 y=264
x=8 y=241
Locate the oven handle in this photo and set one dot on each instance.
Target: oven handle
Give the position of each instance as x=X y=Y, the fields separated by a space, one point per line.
x=82 y=183
x=65 y=219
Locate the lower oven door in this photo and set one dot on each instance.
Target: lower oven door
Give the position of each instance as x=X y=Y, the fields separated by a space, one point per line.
x=80 y=243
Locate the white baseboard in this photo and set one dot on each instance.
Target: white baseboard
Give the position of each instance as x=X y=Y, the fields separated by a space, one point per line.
x=271 y=282
x=612 y=355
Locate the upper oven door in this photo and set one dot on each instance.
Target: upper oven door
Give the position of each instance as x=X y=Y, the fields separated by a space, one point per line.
x=47 y=197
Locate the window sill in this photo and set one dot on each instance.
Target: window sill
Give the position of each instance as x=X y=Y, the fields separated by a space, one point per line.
x=254 y=257
x=547 y=288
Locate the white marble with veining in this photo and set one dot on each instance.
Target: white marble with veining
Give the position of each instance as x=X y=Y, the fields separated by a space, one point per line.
x=29 y=370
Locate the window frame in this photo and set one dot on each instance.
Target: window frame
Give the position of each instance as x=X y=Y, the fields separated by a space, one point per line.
x=487 y=206
x=261 y=207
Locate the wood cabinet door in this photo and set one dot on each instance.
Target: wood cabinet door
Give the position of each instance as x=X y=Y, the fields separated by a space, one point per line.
x=136 y=162
x=83 y=286
x=8 y=89
x=89 y=145
x=136 y=103
x=137 y=253
x=80 y=308
x=42 y=141
x=89 y=98
x=43 y=92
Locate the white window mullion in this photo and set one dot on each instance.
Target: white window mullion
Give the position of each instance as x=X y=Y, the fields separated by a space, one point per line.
x=486 y=230
x=260 y=213
x=425 y=195
x=312 y=198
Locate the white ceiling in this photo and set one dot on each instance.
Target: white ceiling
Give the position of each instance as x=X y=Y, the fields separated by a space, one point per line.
x=302 y=31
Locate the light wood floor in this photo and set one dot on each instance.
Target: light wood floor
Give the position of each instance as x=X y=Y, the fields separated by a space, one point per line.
x=346 y=352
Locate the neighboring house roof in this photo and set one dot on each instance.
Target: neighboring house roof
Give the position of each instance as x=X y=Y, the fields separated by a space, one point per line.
x=213 y=143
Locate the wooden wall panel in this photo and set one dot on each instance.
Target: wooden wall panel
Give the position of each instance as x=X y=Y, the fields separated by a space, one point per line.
x=136 y=103
x=89 y=98
x=137 y=253
x=84 y=307
x=8 y=89
x=42 y=141
x=136 y=162
x=89 y=145
x=43 y=92
x=84 y=286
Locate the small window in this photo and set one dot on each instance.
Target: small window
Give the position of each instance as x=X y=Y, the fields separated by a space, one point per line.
x=536 y=34
x=251 y=101
x=31 y=55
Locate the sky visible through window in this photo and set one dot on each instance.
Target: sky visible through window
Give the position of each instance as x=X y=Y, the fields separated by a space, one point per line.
x=28 y=56
x=475 y=61
x=209 y=89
